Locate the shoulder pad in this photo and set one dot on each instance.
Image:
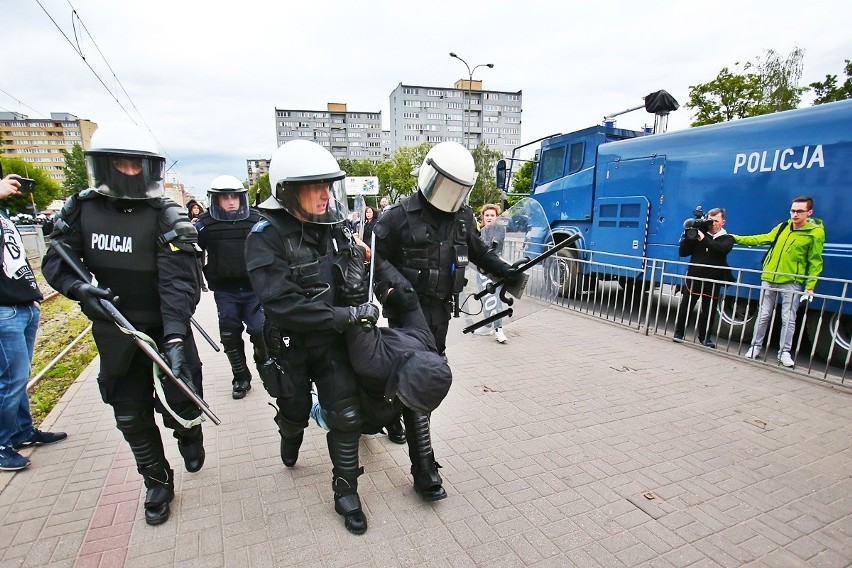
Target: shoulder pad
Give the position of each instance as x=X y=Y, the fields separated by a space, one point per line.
x=381 y=230
x=68 y=215
x=87 y=194
x=260 y=226
x=176 y=228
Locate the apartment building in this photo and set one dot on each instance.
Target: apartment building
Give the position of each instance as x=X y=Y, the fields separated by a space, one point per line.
x=346 y=134
x=256 y=168
x=40 y=141
x=465 y=113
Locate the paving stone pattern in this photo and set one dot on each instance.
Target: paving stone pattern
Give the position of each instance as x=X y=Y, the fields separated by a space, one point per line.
x=578 y=443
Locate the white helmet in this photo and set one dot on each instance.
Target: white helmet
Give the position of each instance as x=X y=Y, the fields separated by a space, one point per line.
x=295 y=166
x=446 y=176
x=124 y=162
x=228 y=209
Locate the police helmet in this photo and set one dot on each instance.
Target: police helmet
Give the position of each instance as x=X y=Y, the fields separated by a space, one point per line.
x=446 y=176
x=124 y=162
x=307 y=182
x=228 y=199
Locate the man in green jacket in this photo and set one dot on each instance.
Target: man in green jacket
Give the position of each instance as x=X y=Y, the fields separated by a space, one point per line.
x=791 y=265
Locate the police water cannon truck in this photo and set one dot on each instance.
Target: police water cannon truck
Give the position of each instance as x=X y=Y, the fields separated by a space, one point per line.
x=628 y=193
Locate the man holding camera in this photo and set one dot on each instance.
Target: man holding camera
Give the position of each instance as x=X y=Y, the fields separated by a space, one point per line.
x=709 y=252
x=19 y=315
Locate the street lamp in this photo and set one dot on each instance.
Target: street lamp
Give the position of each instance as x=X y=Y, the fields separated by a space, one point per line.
x=469 y=93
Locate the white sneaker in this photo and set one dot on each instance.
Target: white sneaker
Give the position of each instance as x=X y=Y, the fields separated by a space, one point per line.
x=484 y=331
x=753 y=352
x=786 y=360
x=500 y=336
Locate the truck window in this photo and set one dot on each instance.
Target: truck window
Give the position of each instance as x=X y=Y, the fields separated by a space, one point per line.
x=576 y=160
x=552 y=164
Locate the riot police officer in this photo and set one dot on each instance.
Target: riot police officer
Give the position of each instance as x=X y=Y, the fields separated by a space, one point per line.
x=222 y=232
x=142 y=248
x=429 y=237
x=295 y=257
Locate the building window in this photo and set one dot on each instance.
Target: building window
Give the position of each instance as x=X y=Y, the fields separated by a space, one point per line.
x=410 y=91
x=435 y=93
x=455 y=105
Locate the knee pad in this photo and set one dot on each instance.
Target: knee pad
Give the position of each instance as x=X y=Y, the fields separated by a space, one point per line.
x=345 y=416
x=132 y=418
x=231 y=337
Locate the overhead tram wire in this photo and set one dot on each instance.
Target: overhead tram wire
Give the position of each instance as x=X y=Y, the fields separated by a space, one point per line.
x=20 y=102
x=78 y=50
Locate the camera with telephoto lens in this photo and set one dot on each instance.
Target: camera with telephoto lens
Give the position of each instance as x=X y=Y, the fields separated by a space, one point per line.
x=699 y=222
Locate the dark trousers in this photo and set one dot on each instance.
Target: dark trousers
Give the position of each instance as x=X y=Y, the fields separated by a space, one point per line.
x=693 y=291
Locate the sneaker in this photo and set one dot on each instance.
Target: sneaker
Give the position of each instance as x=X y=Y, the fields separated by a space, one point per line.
x=10 y=460
x=753 y=352
x=678 y=338
x=786 y=360
x=39 y=438
x=484 y=331
x=500 y=336
x=709 y=344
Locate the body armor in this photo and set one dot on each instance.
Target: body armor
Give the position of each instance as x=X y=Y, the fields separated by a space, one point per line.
x=225 y=243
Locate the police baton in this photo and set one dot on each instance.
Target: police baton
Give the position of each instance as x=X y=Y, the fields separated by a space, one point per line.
x=65 y=253
x=204 y=334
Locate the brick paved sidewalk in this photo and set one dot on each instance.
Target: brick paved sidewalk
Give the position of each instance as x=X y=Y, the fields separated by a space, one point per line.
x=578 y=443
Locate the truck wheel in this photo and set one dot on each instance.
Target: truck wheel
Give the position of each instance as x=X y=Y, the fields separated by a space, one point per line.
x=837 y=330
x=737 y=317
x=566 y=275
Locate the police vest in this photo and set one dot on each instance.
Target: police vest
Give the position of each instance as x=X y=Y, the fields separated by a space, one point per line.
x=120 y=250
x=435 y=268
x=225 y=242
x=317 y=267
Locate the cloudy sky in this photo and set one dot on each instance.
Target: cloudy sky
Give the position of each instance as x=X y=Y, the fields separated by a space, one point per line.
x=205 y=77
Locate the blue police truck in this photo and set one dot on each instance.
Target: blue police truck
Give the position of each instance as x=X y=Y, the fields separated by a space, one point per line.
x=629 y=192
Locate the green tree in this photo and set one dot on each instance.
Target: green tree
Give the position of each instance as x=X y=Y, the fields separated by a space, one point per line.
x=262 y=186
x=76 y=176
x=358 y=167
x=45 y=189
x=522 y=178
x=828 y=91
x=485 y=190
x=770 y=84
x=395 y=179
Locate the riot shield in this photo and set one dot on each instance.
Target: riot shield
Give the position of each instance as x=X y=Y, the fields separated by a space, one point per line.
x=521 y=232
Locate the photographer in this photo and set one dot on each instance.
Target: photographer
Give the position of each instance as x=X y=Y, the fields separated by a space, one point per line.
x=20 y=300
x=710 y=247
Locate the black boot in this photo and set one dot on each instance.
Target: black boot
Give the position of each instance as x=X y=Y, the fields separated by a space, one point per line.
x=191 y=447
x=292 y=435
x=343 y=450
x=396 y=431
x=159 y=480
x=232 y=344
x=136 y=422
x=424 y=468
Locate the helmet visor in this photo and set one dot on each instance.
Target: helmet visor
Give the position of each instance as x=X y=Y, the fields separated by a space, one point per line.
x=444 y=191
x=322 y=202
x=126 y=176
x=228 y=205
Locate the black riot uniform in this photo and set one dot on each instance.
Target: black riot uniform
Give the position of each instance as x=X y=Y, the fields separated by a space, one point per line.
x=431 y=249
x=237 y=305
x=295 y=268
x=144 y=251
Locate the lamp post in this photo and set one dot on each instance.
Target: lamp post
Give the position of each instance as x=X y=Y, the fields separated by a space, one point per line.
x=469 y=93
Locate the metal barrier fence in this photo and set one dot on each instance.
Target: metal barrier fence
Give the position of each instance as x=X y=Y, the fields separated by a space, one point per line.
x=649 y=299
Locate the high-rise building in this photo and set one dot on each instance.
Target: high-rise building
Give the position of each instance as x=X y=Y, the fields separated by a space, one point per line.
x=40 y=141
x=350 y=135
x=256 y=168
x=465 y=113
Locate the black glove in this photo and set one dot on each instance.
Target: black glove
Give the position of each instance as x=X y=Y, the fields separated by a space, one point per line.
x=513 y=276
x=176 y=359
x=365 y=315
x=89 y=297
x=352 y=295
x=402 y=299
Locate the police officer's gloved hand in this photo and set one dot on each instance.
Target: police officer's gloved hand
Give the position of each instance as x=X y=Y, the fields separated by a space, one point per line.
x=352 y=294
x=365 y=315
x=513 y=276
x=89 y=297
x=402 y=299
x=176 y=358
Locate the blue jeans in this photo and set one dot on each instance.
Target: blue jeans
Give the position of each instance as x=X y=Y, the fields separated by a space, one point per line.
x=18 y=326
x=790 y=293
